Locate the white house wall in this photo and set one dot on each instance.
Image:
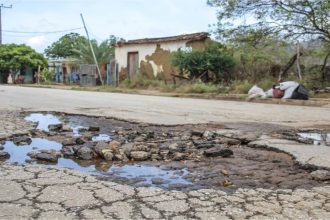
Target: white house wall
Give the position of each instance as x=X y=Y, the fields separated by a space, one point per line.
x=144 y=50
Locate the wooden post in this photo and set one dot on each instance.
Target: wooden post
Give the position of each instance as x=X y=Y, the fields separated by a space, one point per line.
x=38 y=75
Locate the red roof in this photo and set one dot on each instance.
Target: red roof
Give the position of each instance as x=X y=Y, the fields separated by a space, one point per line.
x=184 y=37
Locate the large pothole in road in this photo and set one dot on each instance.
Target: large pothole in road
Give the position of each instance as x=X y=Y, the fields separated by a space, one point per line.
x=174 y=157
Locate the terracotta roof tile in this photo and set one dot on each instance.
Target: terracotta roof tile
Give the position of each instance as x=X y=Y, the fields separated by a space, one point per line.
x=184 y=37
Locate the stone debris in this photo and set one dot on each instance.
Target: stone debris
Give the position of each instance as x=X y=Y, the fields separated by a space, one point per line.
x=4 y=155
x=47 y=157
x=321 y=175
x=218 y=151
x=85 y=153
x=55 y=127
x=93 y=128
x=22 y=140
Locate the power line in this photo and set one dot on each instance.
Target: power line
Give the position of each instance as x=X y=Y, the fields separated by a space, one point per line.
x=41 y=32
x=2 y=6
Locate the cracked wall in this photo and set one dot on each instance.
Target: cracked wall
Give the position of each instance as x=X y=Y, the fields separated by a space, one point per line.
x=154 y=59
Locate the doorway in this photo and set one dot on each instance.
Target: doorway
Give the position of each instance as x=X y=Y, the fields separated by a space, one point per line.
x=132 y=63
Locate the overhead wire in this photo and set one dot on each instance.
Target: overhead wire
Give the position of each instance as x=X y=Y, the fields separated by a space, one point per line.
x=41 y=32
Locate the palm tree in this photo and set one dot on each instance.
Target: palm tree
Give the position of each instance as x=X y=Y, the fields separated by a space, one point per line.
x=104 y=52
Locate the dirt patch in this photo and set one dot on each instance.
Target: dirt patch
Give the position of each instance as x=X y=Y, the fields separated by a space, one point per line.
x=162 y=58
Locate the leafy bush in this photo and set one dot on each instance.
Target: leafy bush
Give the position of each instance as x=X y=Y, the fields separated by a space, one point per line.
x=46 y=76
x=214 y=59
x=15 y=57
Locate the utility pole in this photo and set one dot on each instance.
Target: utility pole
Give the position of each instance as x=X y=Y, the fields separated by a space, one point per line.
x=2 y=6
x=90 y=44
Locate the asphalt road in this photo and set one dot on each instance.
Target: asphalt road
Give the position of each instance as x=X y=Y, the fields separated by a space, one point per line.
x=159 y=110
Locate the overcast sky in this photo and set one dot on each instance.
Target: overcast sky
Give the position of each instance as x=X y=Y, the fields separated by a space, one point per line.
x=129 y=19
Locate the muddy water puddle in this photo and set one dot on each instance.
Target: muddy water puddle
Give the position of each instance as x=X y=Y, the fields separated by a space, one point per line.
x=19 y=154
x=317 y=138
x=43 y=120
x=171 y=157
x=101 y=137
x=136 y=174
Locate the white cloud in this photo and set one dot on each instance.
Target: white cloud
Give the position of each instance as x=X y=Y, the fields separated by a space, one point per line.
x=130 y=19
x=36 y=42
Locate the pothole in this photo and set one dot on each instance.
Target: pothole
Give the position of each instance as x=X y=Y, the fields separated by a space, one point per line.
x=173 y=157
x=43 y=120
x=317 y=138
x=19 y=152
x=148 y=175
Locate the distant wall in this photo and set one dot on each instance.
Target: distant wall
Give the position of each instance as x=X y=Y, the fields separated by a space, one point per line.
x=154 y=59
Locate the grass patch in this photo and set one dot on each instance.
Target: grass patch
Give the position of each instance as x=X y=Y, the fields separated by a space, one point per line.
x=240 y=87
x=200 y=88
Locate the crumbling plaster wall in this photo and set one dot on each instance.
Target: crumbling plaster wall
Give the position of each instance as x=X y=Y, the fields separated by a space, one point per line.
x=155 y=57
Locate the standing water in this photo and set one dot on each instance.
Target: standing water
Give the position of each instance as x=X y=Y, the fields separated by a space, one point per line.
x=43 y=120
x=18 y=154
x=317 y=138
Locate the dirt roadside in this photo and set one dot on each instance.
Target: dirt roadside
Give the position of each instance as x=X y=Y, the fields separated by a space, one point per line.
x=216 y=96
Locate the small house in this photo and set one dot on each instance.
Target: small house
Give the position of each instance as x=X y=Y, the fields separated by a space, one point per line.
x=23 y=75
x=63 y=69
x=151 y=57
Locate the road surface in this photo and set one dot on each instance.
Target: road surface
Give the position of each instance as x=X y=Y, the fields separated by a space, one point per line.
x=39 y=192
x=159 y=110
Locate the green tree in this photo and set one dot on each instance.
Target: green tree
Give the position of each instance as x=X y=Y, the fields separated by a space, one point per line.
x=104 y=52
x=65 y=46
x=260 y=53
x=14 y=57
x=293 y=19
x=212 y=64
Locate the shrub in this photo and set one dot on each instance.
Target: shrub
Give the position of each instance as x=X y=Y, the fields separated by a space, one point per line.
x=267 y=83
x=214 y=61
x=46 y=76
x=201 y=87
x=205 y=88
x=139 y=82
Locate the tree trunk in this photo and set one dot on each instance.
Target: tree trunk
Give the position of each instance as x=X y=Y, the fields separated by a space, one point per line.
x=298 y=62
x=324 y=69
x=288 y=66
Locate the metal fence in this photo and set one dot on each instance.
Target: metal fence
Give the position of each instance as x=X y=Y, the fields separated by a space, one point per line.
x=112 y=73
x=88 y=75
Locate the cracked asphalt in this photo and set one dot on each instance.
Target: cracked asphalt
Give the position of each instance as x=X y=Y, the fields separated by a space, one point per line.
x=39 y=192
x=50 y=193
x=30 y=191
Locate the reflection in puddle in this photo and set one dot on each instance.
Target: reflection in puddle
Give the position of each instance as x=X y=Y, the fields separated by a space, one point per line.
x=76 y=130
x=101 y=137
x=43 y=120
x=145 y=174
x=141 y=174
x=68 y=163
x=148 y=174
x=18 y=154
x=318 y=138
